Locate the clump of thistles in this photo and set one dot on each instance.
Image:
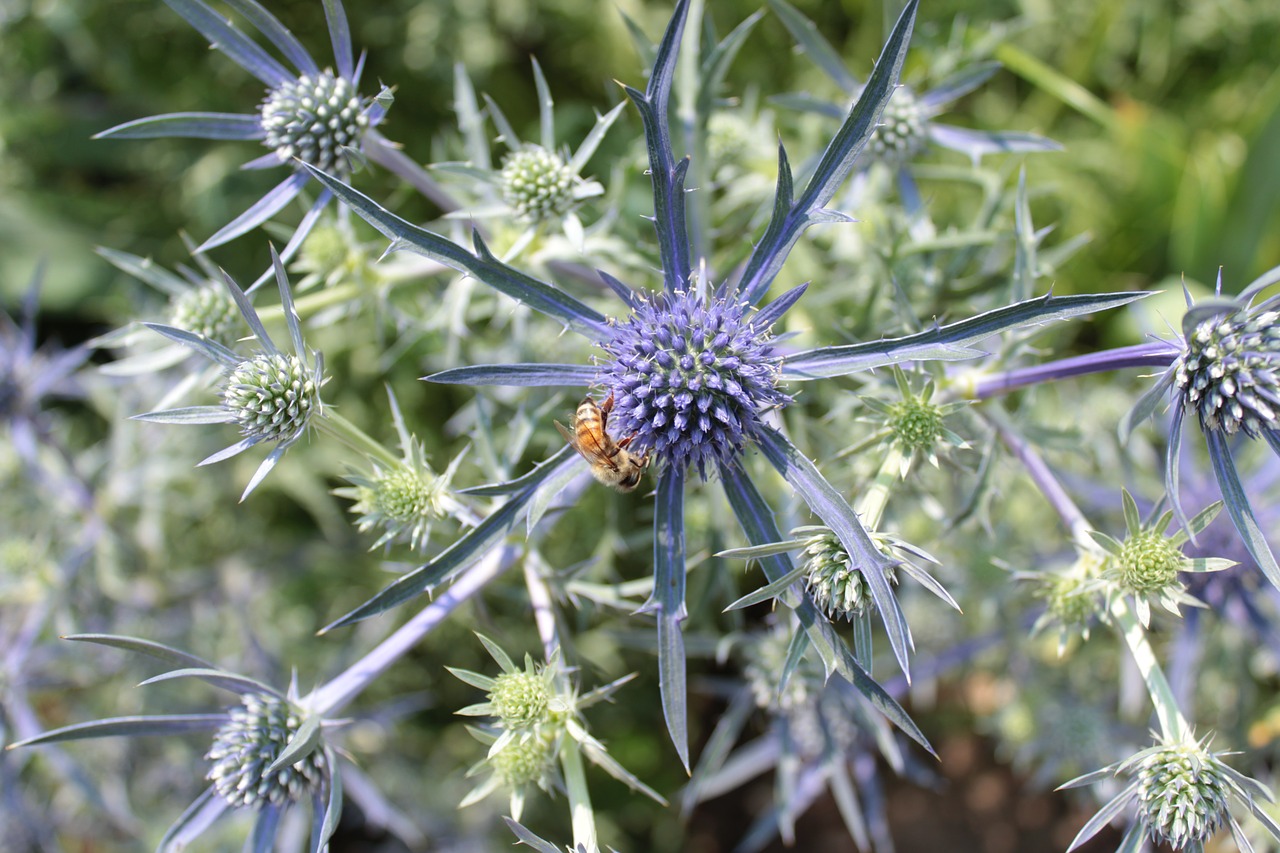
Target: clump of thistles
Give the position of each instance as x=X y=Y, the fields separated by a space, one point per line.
x=319 y=120
x=690 y=376
x=246 y=746
x=1229 y=374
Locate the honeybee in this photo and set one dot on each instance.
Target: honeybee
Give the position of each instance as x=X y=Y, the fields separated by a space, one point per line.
x=611 y=463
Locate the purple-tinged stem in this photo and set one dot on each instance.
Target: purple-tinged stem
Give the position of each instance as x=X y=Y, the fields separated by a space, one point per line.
x=1155 y=354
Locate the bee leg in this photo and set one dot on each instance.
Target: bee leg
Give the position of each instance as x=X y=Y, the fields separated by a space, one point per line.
x=607 y=406
x=623 y=442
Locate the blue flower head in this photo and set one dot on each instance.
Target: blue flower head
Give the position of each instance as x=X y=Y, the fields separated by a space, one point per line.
x=690 y=376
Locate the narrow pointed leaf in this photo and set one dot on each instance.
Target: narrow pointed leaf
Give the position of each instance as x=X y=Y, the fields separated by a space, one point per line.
x=525 y=836
x=773 y=312
x=333 y=804
x=817 y=48
x=261 y=210
x=146 y=647
x=668 y=603
x=189 y=415
x=666 y=174
x=340 y=37
x=1146 y=405
x=835 y=164
x=484 y=266
x=958 y=85
x=1237 y=501
x=198 y=817
x=263 y=838
x=1104 y=816
x=771 y=590
x=572 y=375
x=211 y=350
x=465 y=551
x=836 y=513
x=224 y=37
x=193 y=125
x=269 y=25
x=238 y=684
x=950 y=342
x=166 y=724
x=304 y=742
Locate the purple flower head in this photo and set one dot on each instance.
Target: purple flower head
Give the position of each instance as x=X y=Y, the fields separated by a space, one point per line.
x=1230 y=372
x=690 y=376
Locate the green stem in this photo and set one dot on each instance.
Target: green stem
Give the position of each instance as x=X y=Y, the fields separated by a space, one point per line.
x=335 y=425
x=1173 y=726
x=876 y=496
x=312 y=303
x=575 y=785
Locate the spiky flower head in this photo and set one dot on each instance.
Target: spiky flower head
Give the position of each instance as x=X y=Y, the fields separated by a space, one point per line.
x=272 y=396
x=690 y=376
x=1182 y=794
x=537 y=183
x=246 y=746
x=1146 y=565
x=521 y=699
x=836 y=585
x=318 y=118
x=208 y=311
x=1229 y=373
x=526 y=761
x=914 y=424
x=901 y=134
x=1148 y=562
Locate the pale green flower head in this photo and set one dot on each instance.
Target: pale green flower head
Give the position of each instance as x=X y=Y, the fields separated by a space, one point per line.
x=1146 y=564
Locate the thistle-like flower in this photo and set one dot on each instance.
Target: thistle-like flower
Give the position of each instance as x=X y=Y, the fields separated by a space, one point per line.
x=538 y=714
x=691 y=377
x=1182 y=794
x=538 y=185
x=268 y=752
x=913 y=424
x=272 y=395
x=1072 y=602
x=1147 y=563
x=310 y=115
x=907 y=126
x=1226 y=370
x=247 y=748
x=402 y=500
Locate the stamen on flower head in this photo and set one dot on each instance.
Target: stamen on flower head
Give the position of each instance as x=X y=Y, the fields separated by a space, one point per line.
x=690 y=376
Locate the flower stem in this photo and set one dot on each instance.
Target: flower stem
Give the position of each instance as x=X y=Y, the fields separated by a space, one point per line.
x=875 y=498
x=335 y=425
x=975 y=386
x=1173 y=726
x=340 y=690
x=1172 y=723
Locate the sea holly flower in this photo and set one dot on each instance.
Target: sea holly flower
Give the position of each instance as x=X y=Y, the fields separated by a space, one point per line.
x=914 y=424
x=403 y=499
x=536 y=185
x=272 y=395
x=268 y=751
x=1225 y=367
x=536 y=710
x=1146 y=564
x=907 y=125
x=309 y=114
x=1182 y=794
x=692 y=372
x=1071 y=596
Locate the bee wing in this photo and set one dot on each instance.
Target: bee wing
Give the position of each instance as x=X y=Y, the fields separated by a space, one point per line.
x=568 y=436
